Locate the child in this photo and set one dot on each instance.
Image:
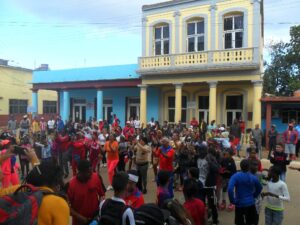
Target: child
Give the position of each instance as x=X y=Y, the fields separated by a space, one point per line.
x=45 y=148
x=113 y=210
x=253 y=157
x=279 y=159
x=162 y=189
x=228 y=168
x=277 y=192
x=193 y=205
x=252 y=146
x=193 y=173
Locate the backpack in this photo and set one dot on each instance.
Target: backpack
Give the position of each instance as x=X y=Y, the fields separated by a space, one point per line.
x=150 y=214
x=21 y=207
x=112 y=212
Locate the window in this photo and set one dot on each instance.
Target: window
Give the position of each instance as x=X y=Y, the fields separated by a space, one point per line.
x=162 y=40
x=203 y=108
x=290 y=114
x=233 y=31
x=171 y=109
x=195 y=36
x=49 y=107
x=234 y=102
x=18 y=106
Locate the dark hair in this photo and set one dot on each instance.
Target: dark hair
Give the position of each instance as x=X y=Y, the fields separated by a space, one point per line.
x=202 y=151
x=84 y=166
x=144 y=139
x=280 y=144
x=163 y=177
x=275 y=170
x=190 y=188
x=120 y=181
x=48 y=173
x=194 y=172
x=245 y=165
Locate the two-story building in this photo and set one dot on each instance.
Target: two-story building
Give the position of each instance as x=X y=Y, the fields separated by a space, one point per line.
x=16 y=96
x=206 y=59
x=200 y=58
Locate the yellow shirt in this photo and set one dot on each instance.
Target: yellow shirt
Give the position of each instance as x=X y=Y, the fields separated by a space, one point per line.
x=54 y=210
x=35 y=127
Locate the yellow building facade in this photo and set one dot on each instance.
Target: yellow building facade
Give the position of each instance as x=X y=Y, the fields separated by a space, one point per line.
x=16 y=94
x=206 y=59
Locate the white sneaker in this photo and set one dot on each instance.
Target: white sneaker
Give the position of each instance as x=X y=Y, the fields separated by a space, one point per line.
x=105 y=165
x=109 y=188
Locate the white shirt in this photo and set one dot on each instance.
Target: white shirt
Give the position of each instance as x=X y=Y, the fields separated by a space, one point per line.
x=137 y=124
x=127 y=214
x=279 y=188
x=102 y=138
x=51 y=124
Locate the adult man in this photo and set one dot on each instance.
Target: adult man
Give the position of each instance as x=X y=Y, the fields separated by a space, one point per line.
x=243 y=189
x=63 y=154
x=137 y=123
x=84 y=194
x=12 y=125
x=235 y=130
x=194 y=123
x=142 y=150
x=166 y=156
x=43 y=126
x=203 y=129
x=152 y=122
x=24 y=125
x=51 y=125
x=257 y=134
x=59 y=124
x=290 y=138
x=128 y=130
x=134 y=197
x=272 y=134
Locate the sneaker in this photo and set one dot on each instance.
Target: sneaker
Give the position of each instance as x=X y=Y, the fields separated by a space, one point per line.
x=109 y=188
x=223 y=206
x=105 y=165
x=230 y=207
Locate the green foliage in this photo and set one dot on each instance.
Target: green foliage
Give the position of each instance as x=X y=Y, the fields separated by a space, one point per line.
x=282 y=74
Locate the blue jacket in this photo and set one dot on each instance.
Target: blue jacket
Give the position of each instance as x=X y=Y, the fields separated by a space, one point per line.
x=243 y=188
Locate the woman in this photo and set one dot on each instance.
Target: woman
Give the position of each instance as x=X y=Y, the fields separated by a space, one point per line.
x=102 y=138
x=95 y=151
x=111 y=147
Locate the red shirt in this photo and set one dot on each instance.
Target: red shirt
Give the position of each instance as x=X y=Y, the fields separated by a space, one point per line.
x=135 y=200
x=194 y=123
x=63 y=142
x=128 y=131
x=78 y=152
x=196 y=208
x=85 y=197
x=166 y=163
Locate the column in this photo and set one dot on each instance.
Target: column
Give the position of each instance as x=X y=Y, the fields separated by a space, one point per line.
x=58 y=103
x=178 y=101
x=99 y=105
x=268 y=121
x=177 y=31
x=257 y=36
x=66 y=106
x=257 y=91
x=212 y=100
x=213 y=39
x=143 y=104
x=35 y=102
x=144 y=39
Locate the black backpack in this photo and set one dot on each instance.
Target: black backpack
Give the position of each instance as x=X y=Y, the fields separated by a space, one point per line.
x=112 y=212
x=151 y=214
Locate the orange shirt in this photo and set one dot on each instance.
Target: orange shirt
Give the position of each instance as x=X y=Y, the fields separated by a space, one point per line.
x=112 y=155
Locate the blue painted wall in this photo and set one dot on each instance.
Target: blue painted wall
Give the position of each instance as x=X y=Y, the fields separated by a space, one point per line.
x=118 y=96
x=281 y=127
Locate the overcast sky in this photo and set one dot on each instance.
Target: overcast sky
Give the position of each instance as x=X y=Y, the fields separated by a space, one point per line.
x=84 y=33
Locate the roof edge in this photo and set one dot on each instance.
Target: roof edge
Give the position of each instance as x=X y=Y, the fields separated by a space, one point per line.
x=165 y=4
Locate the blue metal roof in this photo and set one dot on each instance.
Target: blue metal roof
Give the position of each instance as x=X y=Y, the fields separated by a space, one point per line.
x=86 y=74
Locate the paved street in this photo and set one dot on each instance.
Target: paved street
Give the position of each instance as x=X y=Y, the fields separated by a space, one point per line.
x=226 y=218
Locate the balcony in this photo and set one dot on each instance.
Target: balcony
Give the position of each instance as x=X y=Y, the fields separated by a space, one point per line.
x=219 y=60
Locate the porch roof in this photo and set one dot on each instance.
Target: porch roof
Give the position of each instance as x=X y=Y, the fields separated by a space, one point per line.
x=281 y=99
x=118 y=72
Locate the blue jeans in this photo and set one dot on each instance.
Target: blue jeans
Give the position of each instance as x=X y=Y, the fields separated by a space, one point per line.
x=273 y=217
x=283 y=176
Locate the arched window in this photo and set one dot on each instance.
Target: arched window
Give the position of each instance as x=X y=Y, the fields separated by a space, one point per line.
x=195 y=35
x=233 y=30
x=162 y=39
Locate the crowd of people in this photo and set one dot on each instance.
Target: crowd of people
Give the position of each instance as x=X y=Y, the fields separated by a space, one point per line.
x=195 y=159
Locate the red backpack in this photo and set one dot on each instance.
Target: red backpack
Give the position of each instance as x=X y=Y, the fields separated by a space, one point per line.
x=21 y=207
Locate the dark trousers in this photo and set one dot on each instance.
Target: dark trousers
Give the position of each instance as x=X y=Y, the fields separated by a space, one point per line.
x=211 y=201
x=272 y=147
x=24 y=166
x=246 y=215
x=63 y=158
x=142 y=170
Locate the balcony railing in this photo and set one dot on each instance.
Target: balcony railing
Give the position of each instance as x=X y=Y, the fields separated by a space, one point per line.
x=208 y=60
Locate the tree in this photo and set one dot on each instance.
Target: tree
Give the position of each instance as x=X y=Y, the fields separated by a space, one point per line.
x=282 y=74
